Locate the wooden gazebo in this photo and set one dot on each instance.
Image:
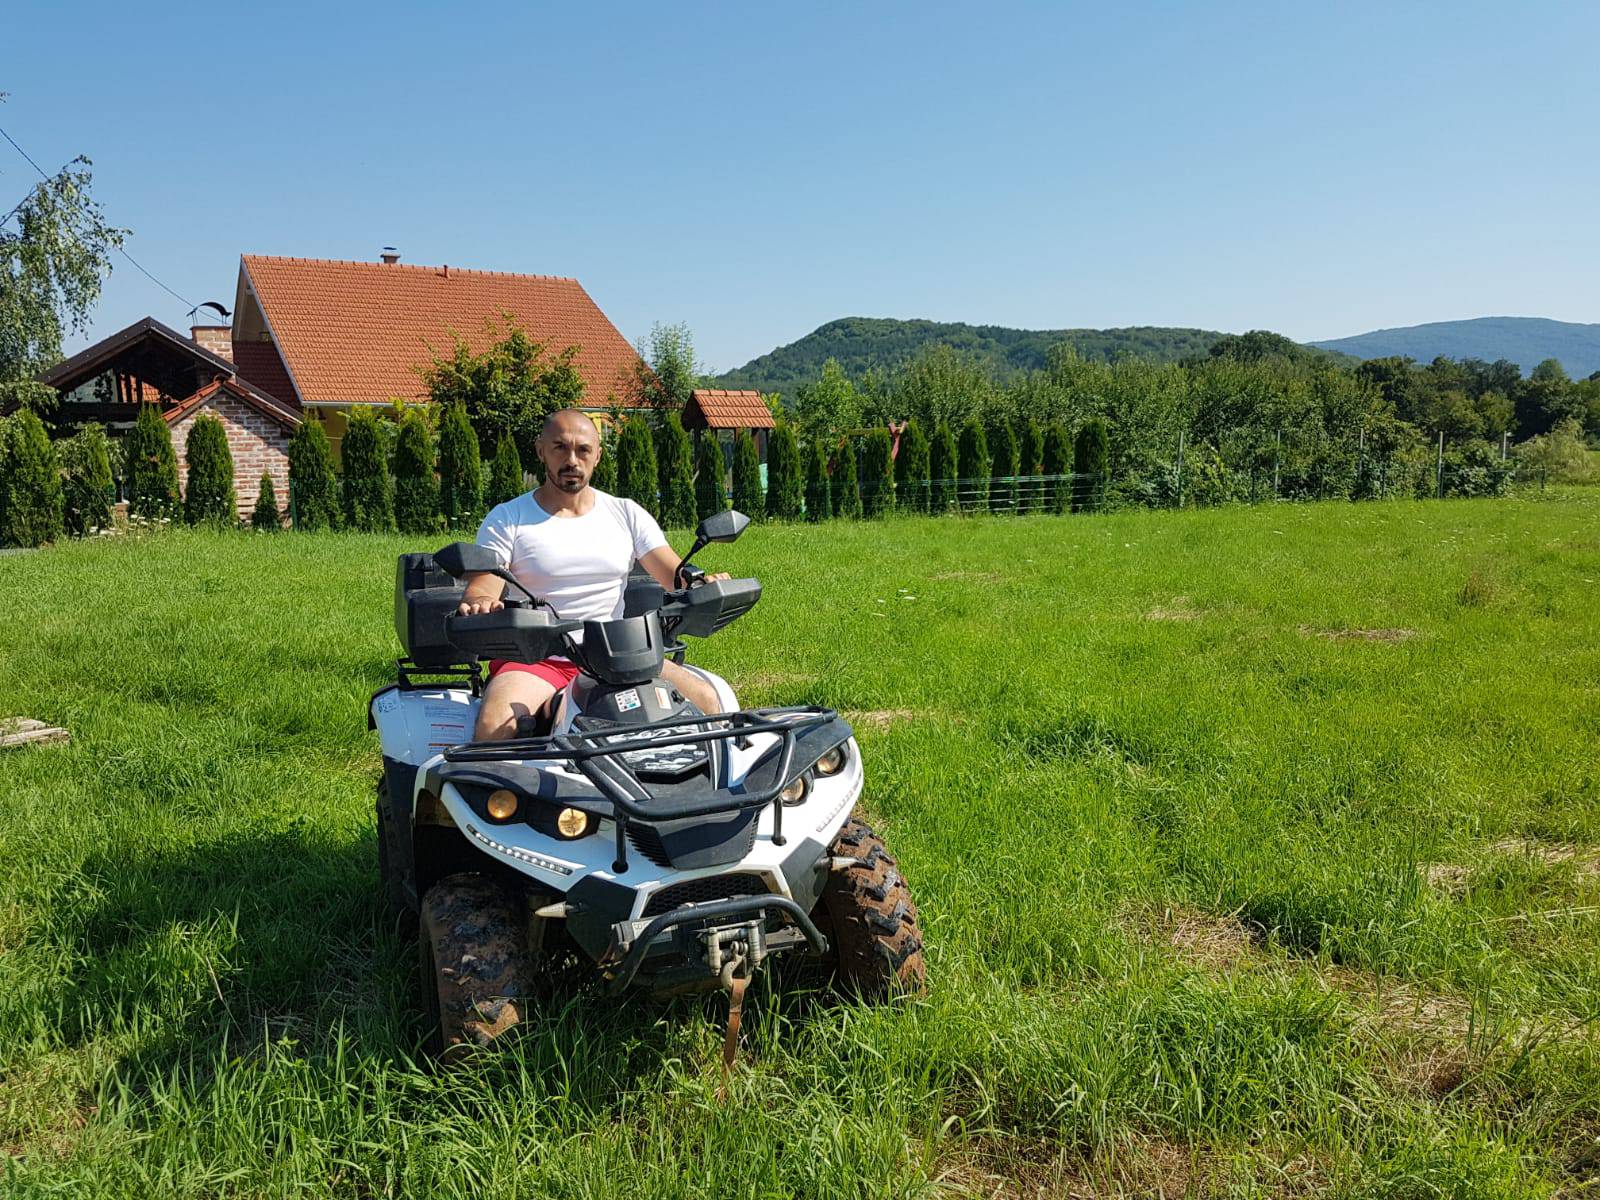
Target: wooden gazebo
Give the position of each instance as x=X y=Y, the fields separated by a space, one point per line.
x=726 y=412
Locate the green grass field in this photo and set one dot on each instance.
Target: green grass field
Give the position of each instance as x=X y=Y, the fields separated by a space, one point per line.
x=1258 y=853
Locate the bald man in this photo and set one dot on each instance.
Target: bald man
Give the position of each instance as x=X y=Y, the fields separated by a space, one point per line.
x=572 y=546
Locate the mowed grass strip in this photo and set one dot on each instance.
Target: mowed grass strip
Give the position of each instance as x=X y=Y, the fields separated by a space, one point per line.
x=1256 y=851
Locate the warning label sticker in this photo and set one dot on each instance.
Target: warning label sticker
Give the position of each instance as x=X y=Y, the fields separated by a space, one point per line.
x=628 y=701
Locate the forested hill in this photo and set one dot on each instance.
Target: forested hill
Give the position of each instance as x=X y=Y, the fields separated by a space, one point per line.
x=1526 y=341
x=861 y=343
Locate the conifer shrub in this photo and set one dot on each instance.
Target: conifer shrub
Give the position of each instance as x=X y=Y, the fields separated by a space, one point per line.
x=416 y=490
x=1057 y=491
x=675 y=473
x=942 y=467
x=1003 y=469
x=845 y=482
x=877 y=474
x=819 y=488
x=460 y=470
x=208 y=497
x=368 y=493
x=1030 y=448
x=505 y=476
x=785 y=475
x=709 y=494
x=1091 y=465
x=88 y=490
x=637 y=477
x=972 y=468
x=265 y=517
x=152 y=466
x=313 y=488
x=30 y=482
x=604 y=476
x=746 y=475
x=911 y=469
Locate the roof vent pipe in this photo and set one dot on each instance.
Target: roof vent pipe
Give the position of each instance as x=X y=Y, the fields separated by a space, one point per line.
x=389 y=255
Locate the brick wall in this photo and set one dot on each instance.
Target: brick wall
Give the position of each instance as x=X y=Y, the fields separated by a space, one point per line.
x=216 y=338
x=259 y=446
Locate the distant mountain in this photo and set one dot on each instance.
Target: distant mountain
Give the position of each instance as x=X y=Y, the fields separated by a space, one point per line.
x=860 y=343
x=1526 y=341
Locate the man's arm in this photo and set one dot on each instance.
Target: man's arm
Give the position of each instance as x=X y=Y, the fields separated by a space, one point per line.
x=663 y=563
x=485 y=594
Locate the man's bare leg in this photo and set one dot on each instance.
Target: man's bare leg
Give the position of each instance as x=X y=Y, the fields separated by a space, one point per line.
x=510 y=696
x=695 y=688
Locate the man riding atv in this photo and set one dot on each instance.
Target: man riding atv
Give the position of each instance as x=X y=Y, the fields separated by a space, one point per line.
x=572 y=546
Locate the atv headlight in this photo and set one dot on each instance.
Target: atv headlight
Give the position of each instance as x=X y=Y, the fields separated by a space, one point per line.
x=832 y=762
x=502 y=804
x=572 y=822
x=795 y=792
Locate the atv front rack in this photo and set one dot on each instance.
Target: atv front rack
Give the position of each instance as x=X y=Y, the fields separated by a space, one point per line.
x=599 y=757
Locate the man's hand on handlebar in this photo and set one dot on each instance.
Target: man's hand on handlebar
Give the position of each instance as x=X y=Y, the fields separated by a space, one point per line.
x=472 y=608
x=692 y=576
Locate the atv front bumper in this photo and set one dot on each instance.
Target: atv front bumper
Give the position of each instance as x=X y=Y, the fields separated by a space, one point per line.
x=707 y=942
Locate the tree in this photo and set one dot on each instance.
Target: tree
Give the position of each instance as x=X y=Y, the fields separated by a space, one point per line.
x=674 y=473
x=1091 y=460
x=942 y=469
x=505 y=477
x=911 y=469
x=845 y=483
x=666 y=371
x=636 y=465
x=830 y=406
x=819 y=491
x=709 y=496
x=877 y=474
x=416 y=488
x=1057 y=491
x=313 y=489
x=944 y=386
x=785 y=478
x=972 y=467
x=87 y=486
x=1003 y=469
x=1030 y=447
x=152 y=466
x=460 y=470
x=208 y=498
x=746 y=475
x=368 y=493
x=30 y=482
x=266 y=516
x=604 y=477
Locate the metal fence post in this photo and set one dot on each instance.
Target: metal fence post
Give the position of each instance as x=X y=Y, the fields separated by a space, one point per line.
x=1439 y=468
x=1180 y=468
x=1277 y=461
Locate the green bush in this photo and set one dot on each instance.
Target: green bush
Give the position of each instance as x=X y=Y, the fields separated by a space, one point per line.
x=1057 y=491
x=460 y=470
x=604 y=476
x=877 y=474
x=505 y=477
x=709 y=494
x=416 y=490
x=972 y=467
x=746 y=475
x=30 y=482
x=266 y=516
x=636 y=465
x=87 y=487
x=368 y=493
x=1091 y=465
x=911 y=469
x=846 y=485
x=675 y=473
x=1003 y=469
x=152 y=466
x=208 y=497
x=1030 y=448
x=942 y=467
x=819 y=490
x=313 y=489
x=785 y=479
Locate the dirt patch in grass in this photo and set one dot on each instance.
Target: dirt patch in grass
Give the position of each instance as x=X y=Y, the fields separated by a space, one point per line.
x=1208 y=940
x=1449 y=878
x=773 y=679
x=1585 y=859
x=1388 y=636
x=1179 y=609
x=878 y=718
x=969 y=576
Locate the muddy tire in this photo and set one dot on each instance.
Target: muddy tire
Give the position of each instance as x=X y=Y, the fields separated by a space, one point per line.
x=475 y=969
x=870 y=919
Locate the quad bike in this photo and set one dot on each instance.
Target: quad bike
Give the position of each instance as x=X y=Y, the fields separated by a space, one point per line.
x=663 y=847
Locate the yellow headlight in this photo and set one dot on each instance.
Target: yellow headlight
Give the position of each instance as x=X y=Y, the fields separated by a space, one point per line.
x=795 y=792
x=572 y=822
x=831 y=762
x=502 y=804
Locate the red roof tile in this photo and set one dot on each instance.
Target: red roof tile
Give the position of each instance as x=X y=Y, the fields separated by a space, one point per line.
x=354 y=332
x=716 y=408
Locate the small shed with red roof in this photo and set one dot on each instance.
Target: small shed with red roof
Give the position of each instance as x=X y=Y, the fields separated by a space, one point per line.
x=725 y=411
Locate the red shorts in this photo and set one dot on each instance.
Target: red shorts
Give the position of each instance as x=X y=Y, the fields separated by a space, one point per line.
x=557 y=672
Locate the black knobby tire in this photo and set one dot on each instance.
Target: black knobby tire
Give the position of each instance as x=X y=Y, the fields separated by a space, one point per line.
x=475 y=964
x=871 y=919
x=398 y=914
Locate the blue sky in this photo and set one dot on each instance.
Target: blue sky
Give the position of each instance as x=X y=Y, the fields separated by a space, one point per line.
x=758 y=170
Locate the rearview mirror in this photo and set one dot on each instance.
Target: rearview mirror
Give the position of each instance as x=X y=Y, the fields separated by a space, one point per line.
x=464 y=558
x=724 y=526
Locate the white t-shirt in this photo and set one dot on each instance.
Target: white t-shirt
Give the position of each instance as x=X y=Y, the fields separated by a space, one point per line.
x=577 y=565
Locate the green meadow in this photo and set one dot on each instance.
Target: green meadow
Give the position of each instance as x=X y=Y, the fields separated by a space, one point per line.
x=1257 y=851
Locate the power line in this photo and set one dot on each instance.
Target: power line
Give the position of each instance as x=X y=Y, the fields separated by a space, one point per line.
x=24 y=154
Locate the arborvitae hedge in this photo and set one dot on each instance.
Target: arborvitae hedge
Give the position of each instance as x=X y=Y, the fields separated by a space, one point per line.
x=846 y=482
x=877 y=474
x=152 y=466
x=911 y=470
x=942 y=467
x=30 y=482
x=972 y=467
x=604 y=476
x=505 y=477
x=266 y=516
x=208 y=497
x=368 y=494
x=1003 y=469
x=819 y=489
x=313 y=489
x=675 y=473
x=416 y=491
x=87 y=487
x=636 y=465
x=785 y=474
x=1058 y=493
x=746 y=475
x=1030 y=444
x=709 y=495
x=1091 y=463
x=460 y=470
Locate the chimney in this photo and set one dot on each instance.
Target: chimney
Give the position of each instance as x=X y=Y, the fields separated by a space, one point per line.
x=389 y=255
x=216 y=338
